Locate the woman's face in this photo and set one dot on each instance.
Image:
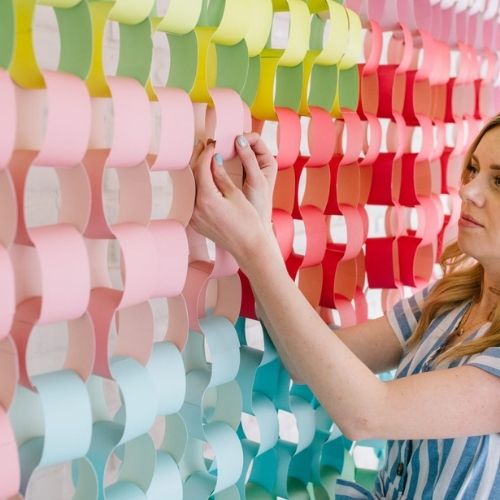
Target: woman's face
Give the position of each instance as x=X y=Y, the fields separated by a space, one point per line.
x=479 y=224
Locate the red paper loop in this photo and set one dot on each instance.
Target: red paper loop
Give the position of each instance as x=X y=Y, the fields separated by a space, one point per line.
x=7 y=292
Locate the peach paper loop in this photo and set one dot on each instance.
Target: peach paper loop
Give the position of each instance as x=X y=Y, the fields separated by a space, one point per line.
x=8 y=118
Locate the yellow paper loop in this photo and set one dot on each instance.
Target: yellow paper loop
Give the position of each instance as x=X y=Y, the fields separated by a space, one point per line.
x=259 y=22
x=131 y=11
x=353 y=50
x=234 y=23
x=263 y=106
x=206 y=68
x=96 y=80
x=181 y=16
x=24 y=68
x=65 y=4
x=300 y=30
x=338 y=37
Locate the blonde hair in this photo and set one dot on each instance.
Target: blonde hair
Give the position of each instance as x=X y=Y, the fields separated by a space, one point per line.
x=463 y=279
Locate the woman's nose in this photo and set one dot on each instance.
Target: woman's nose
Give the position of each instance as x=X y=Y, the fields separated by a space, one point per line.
x=473 y=191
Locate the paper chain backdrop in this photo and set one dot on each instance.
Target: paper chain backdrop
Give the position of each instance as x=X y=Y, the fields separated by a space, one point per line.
x=220 y=56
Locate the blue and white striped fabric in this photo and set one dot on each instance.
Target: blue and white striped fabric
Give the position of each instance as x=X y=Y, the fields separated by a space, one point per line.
x=451 y=469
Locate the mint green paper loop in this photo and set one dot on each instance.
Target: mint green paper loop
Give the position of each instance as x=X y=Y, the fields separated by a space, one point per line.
x=136 y=51
x=75 y=31
x=349 y=88
x=249 y=90
x=183 y=60
x=323 y=86
x=6 y=32
x=288 y=86
x=232 y=66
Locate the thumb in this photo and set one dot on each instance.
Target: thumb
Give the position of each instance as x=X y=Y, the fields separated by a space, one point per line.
x=221 y=178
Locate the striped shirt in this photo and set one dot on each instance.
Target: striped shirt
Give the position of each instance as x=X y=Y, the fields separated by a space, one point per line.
x=451 y=469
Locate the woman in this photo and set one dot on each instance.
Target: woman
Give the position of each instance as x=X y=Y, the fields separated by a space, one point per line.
x=441 y=413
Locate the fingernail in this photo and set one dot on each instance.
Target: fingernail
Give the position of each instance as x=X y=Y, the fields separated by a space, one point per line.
x=210 y=141
x=218 y=159
x=242 y=141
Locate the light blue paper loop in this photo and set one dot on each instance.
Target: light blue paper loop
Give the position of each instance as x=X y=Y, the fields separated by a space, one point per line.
x=167 y=372
x=167 y=481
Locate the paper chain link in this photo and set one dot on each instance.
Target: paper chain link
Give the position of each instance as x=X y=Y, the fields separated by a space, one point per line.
x=179 y=423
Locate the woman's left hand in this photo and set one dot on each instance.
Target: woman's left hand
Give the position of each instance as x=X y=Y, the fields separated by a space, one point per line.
x=222 y=212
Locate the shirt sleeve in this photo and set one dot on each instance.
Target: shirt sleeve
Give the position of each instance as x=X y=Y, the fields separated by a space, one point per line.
x=488 y=360
x=405 y=315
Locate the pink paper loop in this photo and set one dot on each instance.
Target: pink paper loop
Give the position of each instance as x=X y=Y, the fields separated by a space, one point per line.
x=176 y=130
x=7 y=292
x=132 y=126
x=172 y=250
x=8 y=118
x=139 y=264
x=65 y=272
x=225 y=120
x=68 y=121
x=289 y=133
x=321 y=127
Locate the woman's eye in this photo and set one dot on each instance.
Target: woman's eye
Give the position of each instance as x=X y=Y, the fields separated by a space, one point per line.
x=496 y=181
x=472 y=170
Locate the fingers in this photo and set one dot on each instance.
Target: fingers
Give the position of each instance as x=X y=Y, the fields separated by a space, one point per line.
x=198 y=148
x=221 y=178
x=202 y=171
x=248 y=159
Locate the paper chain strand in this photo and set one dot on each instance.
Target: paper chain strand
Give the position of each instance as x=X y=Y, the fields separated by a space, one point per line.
x=201 y=379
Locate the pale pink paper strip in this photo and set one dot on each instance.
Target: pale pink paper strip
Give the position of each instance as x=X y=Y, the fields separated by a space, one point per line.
x=8 y=118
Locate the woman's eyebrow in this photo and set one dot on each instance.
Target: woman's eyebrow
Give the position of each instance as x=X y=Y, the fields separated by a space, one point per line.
x=493 y=166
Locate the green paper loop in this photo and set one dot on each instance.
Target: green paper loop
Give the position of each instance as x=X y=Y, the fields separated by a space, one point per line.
x=183 y=60
x=6 y=32
x=136 y=50
x=232 y=66
x=75 y=31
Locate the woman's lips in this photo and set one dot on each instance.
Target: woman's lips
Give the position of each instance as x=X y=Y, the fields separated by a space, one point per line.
x=468 y=221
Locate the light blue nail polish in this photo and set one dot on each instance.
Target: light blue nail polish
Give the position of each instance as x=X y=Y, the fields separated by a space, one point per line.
x=218 y=159
x=242 y=141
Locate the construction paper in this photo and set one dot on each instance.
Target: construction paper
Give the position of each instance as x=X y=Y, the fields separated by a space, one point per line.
x=166 y=371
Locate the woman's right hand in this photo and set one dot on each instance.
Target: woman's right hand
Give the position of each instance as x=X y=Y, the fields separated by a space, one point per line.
x=260 y=174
